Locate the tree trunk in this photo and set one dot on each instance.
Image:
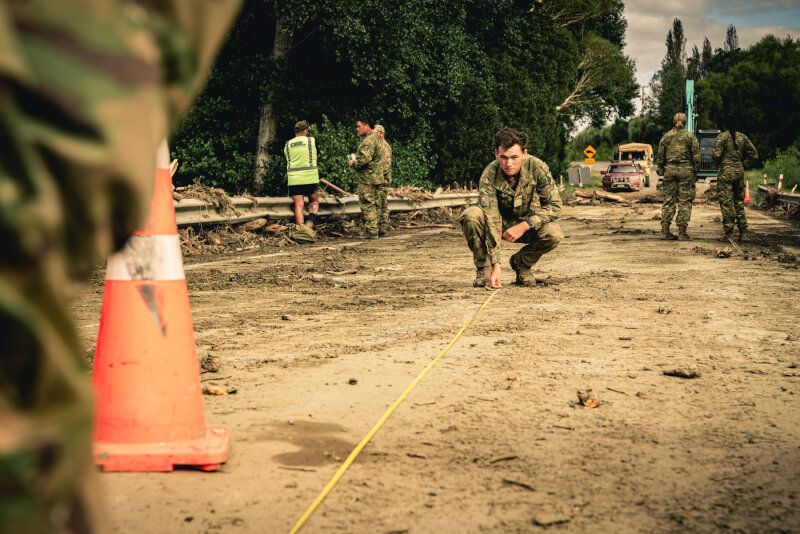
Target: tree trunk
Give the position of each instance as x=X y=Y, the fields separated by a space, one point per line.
x=268 y=126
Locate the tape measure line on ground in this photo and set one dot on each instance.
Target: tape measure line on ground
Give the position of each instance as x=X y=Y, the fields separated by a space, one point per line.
x=380 y=423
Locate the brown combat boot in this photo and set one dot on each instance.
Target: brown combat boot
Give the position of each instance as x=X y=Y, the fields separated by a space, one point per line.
x=666 y=233
x=525 y=277
x=482 y=276
x=742 y=233
x=726 y=235
x=682 y=235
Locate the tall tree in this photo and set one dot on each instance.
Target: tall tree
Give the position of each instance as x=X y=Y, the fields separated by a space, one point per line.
x=672 y=76
x=694 y=65
x=706 y=58
x=731 y=39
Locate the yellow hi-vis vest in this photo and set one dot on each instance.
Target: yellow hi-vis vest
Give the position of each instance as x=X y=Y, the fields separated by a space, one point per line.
x=301 y=160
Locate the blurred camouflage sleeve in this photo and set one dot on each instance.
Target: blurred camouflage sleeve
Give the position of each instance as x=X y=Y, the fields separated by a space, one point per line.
x=661 y=156
x=550 y=204
x=365 y=153
x=718 y=145
x=88 y=90
x=487 y=199
x=387 y=165
x=750 y=152
x=695 y=151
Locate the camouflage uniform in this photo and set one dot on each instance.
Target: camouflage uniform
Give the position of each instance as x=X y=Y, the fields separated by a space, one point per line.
x=678 y=161
x=88 y=90
x=730 y=180
x=370 y=178
x=383 y=222
x=500 y=207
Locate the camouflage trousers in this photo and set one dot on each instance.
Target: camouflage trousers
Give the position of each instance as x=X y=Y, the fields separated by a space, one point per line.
x=476 y=231
x=730 y=191
x=679 y=189
x=374 y=207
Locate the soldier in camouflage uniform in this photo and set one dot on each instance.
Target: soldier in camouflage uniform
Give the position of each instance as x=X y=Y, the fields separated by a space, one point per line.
x=507 y=210
x=89 y=89
x=383 y=222
x=730 y=149
x=368 y=165
x=678 y=161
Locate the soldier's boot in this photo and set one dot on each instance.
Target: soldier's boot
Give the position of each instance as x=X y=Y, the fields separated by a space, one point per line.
x=682 y=235
x=525 y=277
x=482 y=275
x=666 y=233
x=726 y=235
x=743 y=233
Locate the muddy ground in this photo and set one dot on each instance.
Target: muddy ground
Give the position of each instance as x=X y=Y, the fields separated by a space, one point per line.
x=493 y=440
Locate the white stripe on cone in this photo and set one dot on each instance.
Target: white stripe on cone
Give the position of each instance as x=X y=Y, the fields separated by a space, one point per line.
x=147 y=257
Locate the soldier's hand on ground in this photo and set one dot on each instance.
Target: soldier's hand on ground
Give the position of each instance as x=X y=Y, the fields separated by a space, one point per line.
x=515 y=232
x=495 y=278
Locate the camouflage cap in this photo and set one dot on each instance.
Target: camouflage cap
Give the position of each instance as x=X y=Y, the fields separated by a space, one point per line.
x=380 y=129
x=679 y=118
x=299 y=126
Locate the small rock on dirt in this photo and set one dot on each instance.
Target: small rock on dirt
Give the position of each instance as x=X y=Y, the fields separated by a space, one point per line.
x=214 y=390
x=288 y=317
x=211 y=363
x=353 y=381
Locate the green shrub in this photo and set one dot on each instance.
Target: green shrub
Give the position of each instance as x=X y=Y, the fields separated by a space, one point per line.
x=786 y=162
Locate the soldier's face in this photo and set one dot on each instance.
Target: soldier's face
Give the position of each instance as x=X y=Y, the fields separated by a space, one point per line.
x=362 y=128
x=511 y=159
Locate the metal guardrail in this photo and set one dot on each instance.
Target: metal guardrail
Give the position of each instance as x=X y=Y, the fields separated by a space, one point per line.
x=190 y=212
x=780 y=195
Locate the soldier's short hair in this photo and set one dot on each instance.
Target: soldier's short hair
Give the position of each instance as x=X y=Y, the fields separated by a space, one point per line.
x=508 y=137
x=679 y=119
x=367 y=120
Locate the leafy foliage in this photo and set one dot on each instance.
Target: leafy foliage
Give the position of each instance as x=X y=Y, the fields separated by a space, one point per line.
x=441 y=76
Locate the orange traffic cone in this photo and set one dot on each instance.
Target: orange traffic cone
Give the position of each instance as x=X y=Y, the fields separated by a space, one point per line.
x=149 y=413
x=747 y=193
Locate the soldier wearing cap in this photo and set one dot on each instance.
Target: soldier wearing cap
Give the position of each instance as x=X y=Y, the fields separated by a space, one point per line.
x=678 y=161
x=301 y=170
x=383 y=218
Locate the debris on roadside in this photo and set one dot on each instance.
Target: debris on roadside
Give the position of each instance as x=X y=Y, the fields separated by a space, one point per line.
x=587 y=399
x=682 y=373
x=211 y=363
x=723 y=252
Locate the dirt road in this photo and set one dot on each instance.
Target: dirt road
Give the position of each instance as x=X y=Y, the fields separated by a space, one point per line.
x=492 y=440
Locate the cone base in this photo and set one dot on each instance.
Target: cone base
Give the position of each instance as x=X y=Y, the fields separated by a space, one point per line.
x=205 y=453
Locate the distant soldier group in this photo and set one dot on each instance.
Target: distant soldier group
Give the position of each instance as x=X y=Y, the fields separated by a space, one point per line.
x=678 y=162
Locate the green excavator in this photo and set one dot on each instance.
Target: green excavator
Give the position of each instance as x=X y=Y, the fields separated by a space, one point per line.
x=706 y=138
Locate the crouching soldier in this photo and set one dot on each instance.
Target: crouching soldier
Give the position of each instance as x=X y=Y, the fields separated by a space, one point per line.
x=506 y=210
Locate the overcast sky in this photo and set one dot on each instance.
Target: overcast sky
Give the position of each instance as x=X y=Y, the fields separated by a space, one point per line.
x=650 y=20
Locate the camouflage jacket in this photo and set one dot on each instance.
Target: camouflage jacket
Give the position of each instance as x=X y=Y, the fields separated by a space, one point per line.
x=505 y=206
x=387 y=163
x=678 y=147
x=731 y=157
x=369 y=160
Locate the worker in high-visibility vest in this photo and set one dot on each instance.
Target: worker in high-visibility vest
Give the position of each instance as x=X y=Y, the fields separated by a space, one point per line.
x=301 y=169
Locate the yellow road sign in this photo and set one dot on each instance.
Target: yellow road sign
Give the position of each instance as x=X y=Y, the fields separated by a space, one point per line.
x=590 y=152
x=589 y=161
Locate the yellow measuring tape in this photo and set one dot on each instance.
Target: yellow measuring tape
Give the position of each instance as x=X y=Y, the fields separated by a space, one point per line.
x=379 y=424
